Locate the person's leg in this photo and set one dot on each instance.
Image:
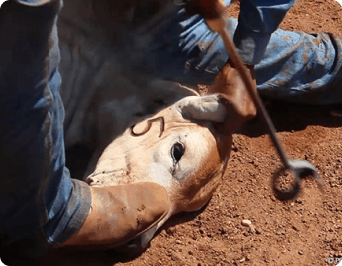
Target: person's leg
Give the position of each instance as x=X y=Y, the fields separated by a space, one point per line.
x=296 y=66
x=38 y=202
x=301 y=67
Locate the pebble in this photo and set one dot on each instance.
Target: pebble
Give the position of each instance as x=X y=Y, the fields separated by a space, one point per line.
x=246 y=222
x=300 y=201
x=252 y=229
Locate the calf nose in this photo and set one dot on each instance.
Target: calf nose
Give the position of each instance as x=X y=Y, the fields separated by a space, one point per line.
x=93 y=182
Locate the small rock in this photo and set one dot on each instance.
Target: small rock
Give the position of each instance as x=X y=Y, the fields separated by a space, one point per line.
x=242 y=260
x=300 y=201
x=170 y=231
x=246 y=222
x=252 y=228
x=223 y=231
x=235 y=148
x=295 y=228
x=300 y=252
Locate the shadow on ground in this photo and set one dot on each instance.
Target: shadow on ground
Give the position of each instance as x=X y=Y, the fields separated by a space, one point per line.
x=294 y=117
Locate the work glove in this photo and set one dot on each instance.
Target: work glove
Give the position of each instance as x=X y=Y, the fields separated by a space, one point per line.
x=120 y=213
x=213 y=11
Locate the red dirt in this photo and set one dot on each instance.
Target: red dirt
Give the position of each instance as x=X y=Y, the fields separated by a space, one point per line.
x=306 y=231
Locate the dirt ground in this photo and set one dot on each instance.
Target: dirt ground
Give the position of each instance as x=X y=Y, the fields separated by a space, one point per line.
x=306 y=231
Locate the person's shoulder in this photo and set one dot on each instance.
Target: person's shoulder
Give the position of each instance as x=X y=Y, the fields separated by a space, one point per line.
x=33 y=2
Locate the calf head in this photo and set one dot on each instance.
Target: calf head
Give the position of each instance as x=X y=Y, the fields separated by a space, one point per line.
x=184 y=147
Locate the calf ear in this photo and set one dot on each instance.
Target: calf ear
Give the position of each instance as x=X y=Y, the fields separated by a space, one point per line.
x=207 y=108
x=230 y=84
x=218 y=108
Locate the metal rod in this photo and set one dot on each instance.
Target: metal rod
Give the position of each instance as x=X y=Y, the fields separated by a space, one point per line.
x=254 y=95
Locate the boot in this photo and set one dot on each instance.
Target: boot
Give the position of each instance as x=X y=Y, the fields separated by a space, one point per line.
x=121 y=213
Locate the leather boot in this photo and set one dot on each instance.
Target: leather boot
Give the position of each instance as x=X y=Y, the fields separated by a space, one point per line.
x=236 y=97
x=121 y=213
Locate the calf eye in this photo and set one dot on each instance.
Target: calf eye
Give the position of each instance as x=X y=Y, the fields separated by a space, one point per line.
x=177 y=152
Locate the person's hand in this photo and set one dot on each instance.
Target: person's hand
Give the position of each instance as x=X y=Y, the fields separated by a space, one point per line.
x=213 y=11
x=121 y=213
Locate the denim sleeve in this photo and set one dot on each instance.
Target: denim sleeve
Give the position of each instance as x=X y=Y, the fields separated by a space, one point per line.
x=258 y=19
x=38 y=199
x=33 y=2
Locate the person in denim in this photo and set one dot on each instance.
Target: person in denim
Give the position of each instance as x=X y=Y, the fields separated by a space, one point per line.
x=291 y=66
x=40 y=205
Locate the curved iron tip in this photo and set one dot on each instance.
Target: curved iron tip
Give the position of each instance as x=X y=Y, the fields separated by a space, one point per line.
x=301 y=169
